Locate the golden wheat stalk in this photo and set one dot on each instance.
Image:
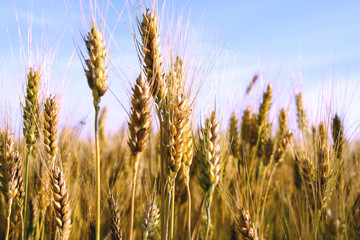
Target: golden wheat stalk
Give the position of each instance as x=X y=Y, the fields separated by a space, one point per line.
x=176 y=113
x=151 y=55
x=187 y=158
x=139 y=128
x=96 y=74
x=209 y=161
x=30 y=116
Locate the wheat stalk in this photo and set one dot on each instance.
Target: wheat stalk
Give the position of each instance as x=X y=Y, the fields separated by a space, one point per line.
x=175 y=117
x=30 y=116
x=139 y=126
x=96 y=74
x=209 y=161
x=187 y=157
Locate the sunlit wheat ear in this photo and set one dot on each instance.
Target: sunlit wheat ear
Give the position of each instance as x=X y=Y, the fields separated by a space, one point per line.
x=139 y=129
x=174 y=140
x=34 y=215
x=96 y=72
x=10 y=164
x=115 y=227
x=152 y=55
x=323 y=156
x=140 y=117
x=301 y=115
x=283 y=123
x=151 y=221
x=265 y=108
x=187 y=156
x=304 y=177
x=282 y=146
x=253 y=129
x=31 y=106
x=234 y=137
x=61 y=205
x=245 y=225
x=246 y=125
x=209 y=160
x=338 y=136
x=51 y=121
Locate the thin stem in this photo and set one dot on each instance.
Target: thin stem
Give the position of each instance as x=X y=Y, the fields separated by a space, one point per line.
x=30 y=147
x=189 y=210
x=207 y=221
x=172 y=211
x=22 y=226
x=135 y=162
x=97 y=229
x=8 y=220
x=162 y=186
x=166 y=223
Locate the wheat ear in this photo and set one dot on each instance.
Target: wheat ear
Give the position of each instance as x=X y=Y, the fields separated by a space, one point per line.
x=338 y=136
x=9 y=167
x=301 y=115
x=30 y=116
x=151 y=221
x=187 y=158
x=139 y=126
x=245 y=225
x=176 y=114
x=209 y=161
x=151 y=55
x=61 y=205
x=234 y=137
x=96 y=74
x=116 y=232
x=51 y=122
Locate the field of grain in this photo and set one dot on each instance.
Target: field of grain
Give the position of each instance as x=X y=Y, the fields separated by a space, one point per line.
x=167 y=174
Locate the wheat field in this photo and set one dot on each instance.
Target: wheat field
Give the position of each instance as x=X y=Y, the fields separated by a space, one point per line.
x=168 y=174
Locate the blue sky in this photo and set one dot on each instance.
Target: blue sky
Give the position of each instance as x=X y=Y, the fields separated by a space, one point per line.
x=307 y=46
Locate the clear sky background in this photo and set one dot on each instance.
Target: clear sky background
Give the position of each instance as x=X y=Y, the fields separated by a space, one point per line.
x=306 y=46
